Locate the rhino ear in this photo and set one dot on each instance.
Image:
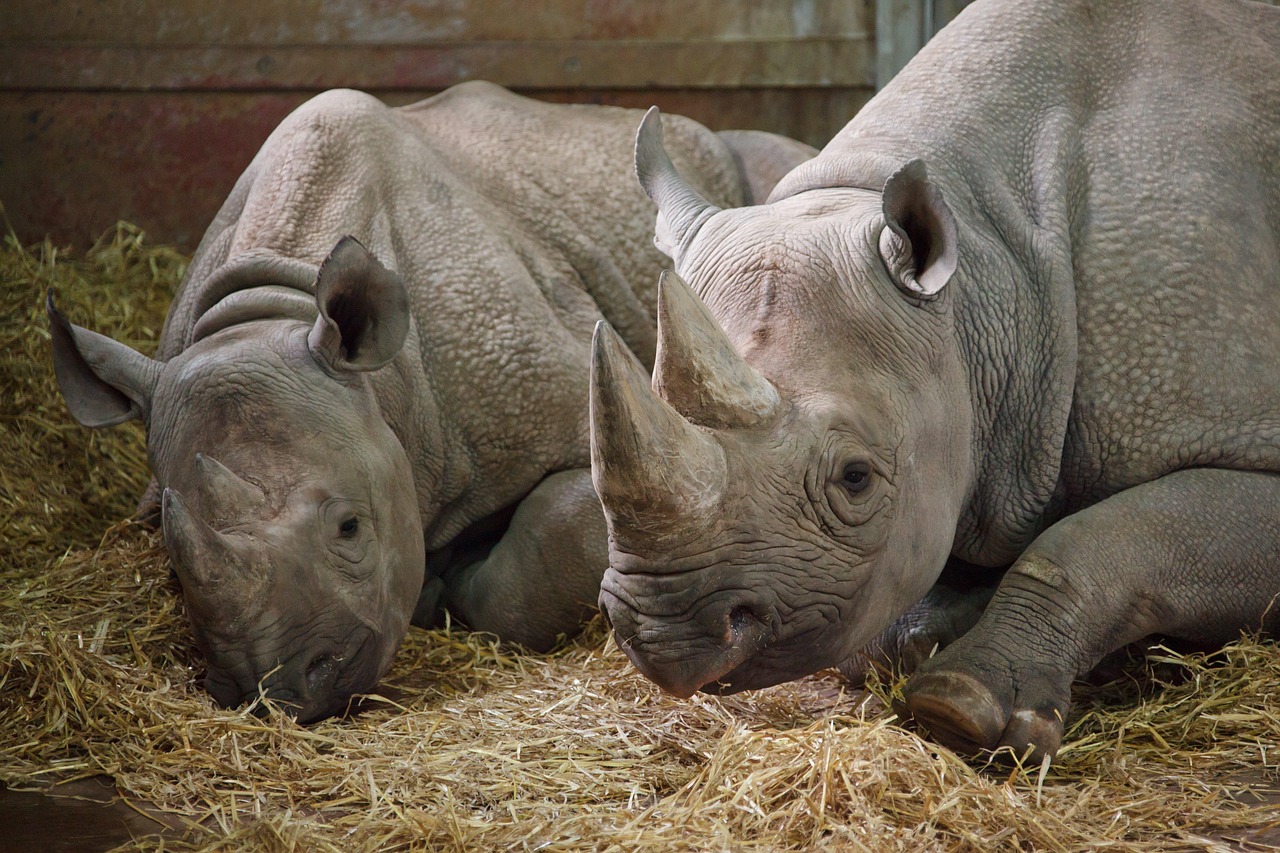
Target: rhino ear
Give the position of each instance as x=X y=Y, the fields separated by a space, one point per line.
x=364 y=311
x=103 y=381
x=919 y=243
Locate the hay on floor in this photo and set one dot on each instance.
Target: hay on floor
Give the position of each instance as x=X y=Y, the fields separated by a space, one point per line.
x=471 y=745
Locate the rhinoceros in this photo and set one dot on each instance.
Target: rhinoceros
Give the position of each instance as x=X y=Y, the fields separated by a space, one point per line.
x=997 y=372
x=369 y=401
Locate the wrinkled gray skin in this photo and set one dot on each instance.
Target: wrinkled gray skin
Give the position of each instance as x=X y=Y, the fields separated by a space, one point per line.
x=1022 y=312
x=321 y=432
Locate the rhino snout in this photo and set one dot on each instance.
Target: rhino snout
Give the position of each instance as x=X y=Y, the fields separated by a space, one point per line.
x=685 y=656
x=310 y=687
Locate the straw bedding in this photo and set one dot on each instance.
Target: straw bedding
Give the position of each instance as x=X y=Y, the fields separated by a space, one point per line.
x=471 y=745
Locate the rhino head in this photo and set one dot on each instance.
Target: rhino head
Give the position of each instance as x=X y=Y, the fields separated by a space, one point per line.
x=790 y=480
x=288 y=505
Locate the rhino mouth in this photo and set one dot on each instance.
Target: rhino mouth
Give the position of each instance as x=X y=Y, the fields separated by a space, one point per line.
x=320 y=688
x=683 y=666
x=748 y=676
x=342 y=677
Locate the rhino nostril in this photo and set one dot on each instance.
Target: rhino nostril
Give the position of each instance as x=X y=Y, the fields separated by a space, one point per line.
x=741 y=618
x=321 y=672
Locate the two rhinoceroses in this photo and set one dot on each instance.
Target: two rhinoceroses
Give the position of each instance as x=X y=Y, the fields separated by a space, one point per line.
x=1018 y=321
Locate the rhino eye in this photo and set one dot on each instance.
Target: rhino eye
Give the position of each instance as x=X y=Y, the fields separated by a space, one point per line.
x=348 y=528
x=856 y=477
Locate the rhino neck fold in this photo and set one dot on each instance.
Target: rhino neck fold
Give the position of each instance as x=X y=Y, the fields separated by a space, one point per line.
x=257 y=285
x=1013 y=295
x=1015 y=321
x=268 y=302
x=858 y=163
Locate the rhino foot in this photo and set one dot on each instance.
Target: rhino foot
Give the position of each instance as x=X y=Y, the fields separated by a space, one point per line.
x=539 y=583
x=945 y=614
x=429 y=612
x=1021 y=716
x=898 y=651
x=148 y=511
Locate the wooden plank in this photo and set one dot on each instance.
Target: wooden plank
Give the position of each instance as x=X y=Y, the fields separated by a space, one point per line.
x=902 y=27
x=301 y=22
x=812 y=115
x=899 y=34
x=809 y=62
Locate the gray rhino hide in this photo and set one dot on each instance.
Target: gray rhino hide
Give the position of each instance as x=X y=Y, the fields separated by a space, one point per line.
x=1024 y=309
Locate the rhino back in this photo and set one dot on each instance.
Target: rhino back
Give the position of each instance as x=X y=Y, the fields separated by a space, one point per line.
x=562 y=174
x=1112 y=168
x=1177 y=256
x=515 y=225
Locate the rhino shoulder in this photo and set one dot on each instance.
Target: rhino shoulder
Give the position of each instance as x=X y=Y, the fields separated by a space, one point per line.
x=331 y=104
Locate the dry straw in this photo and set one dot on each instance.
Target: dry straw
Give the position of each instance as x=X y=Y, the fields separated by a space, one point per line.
x=475 y=746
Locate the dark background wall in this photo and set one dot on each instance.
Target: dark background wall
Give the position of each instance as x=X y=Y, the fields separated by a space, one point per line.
x=148 y=110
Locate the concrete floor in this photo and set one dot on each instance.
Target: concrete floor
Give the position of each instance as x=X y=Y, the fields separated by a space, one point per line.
x=85 y=816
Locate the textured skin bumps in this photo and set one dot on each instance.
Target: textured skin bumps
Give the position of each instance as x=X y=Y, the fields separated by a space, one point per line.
x=1083 y=412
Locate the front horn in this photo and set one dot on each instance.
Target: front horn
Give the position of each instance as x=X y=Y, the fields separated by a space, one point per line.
x=698 y=371
x=649 y=465
x=681 y=210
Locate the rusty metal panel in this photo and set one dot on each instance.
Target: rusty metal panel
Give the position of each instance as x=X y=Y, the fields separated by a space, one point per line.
x=73 y=163
x=812 y=115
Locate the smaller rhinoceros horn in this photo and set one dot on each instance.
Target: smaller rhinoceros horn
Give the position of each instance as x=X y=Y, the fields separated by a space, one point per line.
x=698 y=371
x=230 y=494
x=648 y=463
x=681 y=210
x=215 y=571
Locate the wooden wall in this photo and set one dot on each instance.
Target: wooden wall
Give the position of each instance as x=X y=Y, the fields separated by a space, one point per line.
x=148 y=110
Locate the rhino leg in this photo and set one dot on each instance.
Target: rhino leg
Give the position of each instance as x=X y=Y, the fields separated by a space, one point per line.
x=936 y=621
x=1192 y=555
x=148 y=511
x=541 y=581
